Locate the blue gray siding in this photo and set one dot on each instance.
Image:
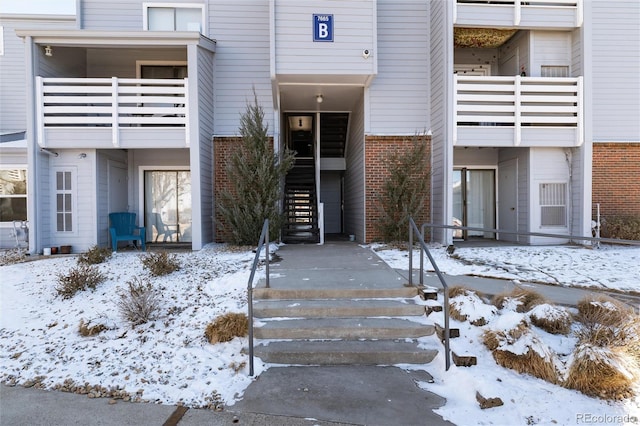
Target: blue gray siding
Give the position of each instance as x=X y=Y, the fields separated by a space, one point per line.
x=354 y=197
x=615 y=37
x=241 y=61
x=399 y=94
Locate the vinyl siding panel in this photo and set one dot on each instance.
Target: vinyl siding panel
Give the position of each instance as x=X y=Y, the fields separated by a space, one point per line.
x=13 y=80
x=354 y=211
x=616 y=59
x=441 y=53
x=205 y=111
x=242 y=61
x=549 y=48
x=399 y=94
x=122 y=15
x=353 y=31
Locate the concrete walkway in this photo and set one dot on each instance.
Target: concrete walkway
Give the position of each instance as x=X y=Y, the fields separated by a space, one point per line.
x=286 y=395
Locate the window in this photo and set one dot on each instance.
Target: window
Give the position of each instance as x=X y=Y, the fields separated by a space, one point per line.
x=553 y=204
x=13 y=194
x=1 y=40
x=64 y=181
x=174 y=17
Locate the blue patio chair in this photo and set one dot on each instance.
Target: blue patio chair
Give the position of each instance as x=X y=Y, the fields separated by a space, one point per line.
x=123 y=228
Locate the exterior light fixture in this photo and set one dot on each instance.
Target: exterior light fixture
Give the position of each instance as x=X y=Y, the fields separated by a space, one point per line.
x=319 y=98
x=48 y=51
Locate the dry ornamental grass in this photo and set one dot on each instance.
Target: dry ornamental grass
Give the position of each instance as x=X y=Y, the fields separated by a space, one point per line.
x=226 y=327
x=521 y=350
x=552 y=319
x=523 y=299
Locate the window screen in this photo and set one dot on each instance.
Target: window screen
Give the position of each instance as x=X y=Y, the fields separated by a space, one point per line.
x=553 y=204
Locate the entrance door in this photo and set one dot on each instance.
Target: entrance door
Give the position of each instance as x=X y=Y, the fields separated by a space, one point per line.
x=118 y=199
x=508 y=199
x=474 y=201
x=331 y=197
x=167 y=204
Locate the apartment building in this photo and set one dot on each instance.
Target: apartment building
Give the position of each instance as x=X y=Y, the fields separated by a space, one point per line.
x=530 y=110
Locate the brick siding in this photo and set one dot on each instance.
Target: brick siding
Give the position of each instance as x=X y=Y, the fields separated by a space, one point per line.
x=223 y=147
x=616 y=178
x=377 y=151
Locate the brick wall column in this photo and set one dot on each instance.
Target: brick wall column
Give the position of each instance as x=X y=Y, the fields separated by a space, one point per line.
x=377 y=152
x=616 y=178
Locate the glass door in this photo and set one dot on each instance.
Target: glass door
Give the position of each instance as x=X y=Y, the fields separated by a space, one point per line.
x=167 y=205
x=474 y=201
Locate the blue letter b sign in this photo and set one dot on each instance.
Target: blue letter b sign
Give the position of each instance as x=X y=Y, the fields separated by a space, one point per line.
x=322 y=27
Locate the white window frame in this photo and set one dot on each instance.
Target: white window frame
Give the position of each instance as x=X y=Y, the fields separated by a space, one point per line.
x=565 y=205
x=25 y=196
x=141 y=62
x=201 y=6
x=73 y=191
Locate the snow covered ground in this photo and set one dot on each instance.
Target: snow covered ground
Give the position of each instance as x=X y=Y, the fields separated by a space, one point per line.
x=169 y=360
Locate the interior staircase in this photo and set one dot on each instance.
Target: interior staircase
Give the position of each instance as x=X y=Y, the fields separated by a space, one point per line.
x=301 y=203
x=340 y=327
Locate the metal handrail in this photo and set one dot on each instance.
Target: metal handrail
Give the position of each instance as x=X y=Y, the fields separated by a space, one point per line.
x=532 y=234
x=263 y=241
x=423 y=249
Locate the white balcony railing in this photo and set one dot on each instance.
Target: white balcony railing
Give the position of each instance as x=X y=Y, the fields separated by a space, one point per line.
x=117 y=103
x=519 y=105
x=560 y=13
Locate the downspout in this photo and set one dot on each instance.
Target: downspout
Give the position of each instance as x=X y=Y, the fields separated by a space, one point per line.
x=32 y=151
x=568 y=156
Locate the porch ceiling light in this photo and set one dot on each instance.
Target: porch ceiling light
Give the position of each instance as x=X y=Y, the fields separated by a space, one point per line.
x=319 y=98
x=48 y=51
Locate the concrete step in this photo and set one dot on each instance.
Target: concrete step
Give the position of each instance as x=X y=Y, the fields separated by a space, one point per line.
x=343 y=292
x=323 y=308
x=344 y=352
x=342 y=328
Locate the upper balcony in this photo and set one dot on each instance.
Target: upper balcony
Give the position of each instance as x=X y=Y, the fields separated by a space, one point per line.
x=518 y=111
x=112 y=112
x=558 y=14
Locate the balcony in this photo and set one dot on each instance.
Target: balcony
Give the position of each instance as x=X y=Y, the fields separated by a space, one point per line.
x=518 y=111
x=112 y=113
x=558 y=14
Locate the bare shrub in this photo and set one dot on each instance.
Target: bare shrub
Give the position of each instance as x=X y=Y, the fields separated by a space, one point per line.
x=623 y=227
x=552 y=319
x=467 y=305
x=87 y=329
x=520 y=300
x=607 y=373
x=9 y=257
x=78 y=279
x=139 y=302
x=95 y=255
x=226 y=327
x=521 y=350
x=160 y=263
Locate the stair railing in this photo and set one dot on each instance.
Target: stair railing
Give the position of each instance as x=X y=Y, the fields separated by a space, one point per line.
x=262 y=242
x=423 y=249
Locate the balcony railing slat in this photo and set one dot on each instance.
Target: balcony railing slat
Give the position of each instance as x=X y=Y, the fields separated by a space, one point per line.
x=516 y=102
x=112 y=101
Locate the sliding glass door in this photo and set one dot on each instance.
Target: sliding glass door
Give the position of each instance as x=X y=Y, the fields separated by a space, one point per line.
x=474 y=201
x=167 y=195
